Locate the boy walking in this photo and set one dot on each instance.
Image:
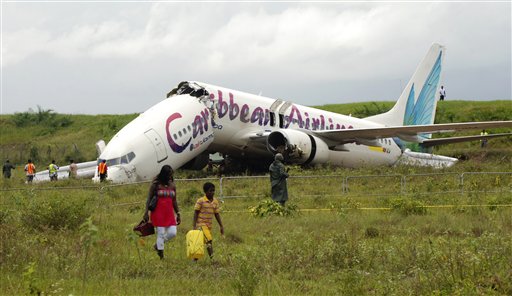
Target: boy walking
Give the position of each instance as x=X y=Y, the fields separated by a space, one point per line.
x=206 y=207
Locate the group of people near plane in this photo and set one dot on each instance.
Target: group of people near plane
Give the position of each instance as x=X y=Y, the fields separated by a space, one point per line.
x=53 y=169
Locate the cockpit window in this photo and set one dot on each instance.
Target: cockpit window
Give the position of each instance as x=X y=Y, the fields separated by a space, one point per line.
x=125 y=159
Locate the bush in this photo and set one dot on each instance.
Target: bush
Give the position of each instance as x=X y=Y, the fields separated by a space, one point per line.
x=272 y=208
x=371 y=232
x=42 y=117
x=190 y=197
x=55 y=213
x=408 y=207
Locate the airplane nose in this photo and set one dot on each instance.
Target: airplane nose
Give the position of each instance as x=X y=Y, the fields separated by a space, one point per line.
x=121 y=174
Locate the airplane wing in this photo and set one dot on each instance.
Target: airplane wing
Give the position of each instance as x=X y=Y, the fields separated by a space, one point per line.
x=408 y=133
x=450 y=140
x=85 y=170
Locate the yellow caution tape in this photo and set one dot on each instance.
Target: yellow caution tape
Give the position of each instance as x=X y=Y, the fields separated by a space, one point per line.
x=385 y=209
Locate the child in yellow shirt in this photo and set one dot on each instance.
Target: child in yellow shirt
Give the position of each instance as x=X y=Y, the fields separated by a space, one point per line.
x=206 y=207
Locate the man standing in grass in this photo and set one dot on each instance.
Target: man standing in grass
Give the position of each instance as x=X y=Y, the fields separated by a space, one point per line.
x=30 y=170
x=52 y=171
x=206 y=207
x=102 y=170
x=6 y=169
x=73 y=169
x=278 y=176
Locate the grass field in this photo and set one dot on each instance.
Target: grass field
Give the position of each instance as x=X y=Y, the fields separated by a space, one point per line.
x=335 y=244
x=367 y=231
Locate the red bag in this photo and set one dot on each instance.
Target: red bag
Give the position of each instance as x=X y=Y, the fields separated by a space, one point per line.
x=144 y=228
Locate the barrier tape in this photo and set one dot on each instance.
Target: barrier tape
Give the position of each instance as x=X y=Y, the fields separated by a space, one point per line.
x=387 y=209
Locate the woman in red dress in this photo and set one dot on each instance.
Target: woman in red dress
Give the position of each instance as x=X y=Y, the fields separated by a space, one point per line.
x=163 y=216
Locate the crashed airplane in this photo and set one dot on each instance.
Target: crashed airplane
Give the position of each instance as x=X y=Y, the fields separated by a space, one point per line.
x=197 y=119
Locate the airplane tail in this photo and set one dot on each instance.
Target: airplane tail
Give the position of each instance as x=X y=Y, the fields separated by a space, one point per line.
x=418 y=101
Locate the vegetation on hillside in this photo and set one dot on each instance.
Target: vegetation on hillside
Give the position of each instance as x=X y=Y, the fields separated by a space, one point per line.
x=44 y=135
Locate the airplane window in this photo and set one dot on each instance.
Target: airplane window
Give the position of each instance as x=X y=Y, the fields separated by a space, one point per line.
x=175 y=137
x=131 y=156
x=184 y=131
x=189 y=129
x=124 y=159
x=179 y=133
x=113 y=161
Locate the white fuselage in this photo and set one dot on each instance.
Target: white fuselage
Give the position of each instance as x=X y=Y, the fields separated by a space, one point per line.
x=240 y=113
x=183 y=126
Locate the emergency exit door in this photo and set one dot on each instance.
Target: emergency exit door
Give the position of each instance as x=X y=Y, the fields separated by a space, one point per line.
x=158 y=144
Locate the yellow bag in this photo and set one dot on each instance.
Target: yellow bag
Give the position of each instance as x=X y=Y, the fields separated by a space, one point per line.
x=195 y=244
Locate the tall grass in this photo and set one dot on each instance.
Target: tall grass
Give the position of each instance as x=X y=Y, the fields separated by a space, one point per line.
x=371 y=240
x=333 y=246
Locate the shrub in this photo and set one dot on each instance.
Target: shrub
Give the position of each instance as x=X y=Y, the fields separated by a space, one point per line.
x=55 y=213
x=271 y=208
x=190 y=197
x=372 y=232
x=408 y=207
x=47 y=118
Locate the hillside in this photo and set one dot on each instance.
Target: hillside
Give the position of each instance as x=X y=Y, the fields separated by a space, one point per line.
x=44 y=135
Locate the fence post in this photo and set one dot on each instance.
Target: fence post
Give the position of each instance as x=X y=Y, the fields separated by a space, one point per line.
x=402 y=185
x=461 y=184
x=220 y=187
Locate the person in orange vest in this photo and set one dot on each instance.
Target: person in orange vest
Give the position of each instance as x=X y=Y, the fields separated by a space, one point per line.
x=30 y=170
x=102 y=170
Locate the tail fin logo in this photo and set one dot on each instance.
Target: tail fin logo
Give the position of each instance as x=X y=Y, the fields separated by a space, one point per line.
x=422 y=110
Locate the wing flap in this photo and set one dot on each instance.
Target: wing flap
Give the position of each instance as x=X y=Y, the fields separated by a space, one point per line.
x=450 y=140
x=410 y=133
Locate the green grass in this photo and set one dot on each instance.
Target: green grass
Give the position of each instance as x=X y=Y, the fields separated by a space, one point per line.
x=332 y=246
x=372 y=240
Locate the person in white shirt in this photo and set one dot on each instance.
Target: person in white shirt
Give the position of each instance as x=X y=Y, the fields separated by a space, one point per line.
x=442 y=93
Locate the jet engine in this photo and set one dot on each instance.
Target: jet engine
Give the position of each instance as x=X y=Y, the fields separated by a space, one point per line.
x=298 y=147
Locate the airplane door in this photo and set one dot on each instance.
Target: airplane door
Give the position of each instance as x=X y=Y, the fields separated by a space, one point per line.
x=158 y=144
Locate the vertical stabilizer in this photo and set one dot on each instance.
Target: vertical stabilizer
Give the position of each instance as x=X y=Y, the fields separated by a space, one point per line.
x=417 y=103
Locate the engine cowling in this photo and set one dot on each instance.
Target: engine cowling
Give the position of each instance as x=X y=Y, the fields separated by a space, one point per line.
x=298 y=147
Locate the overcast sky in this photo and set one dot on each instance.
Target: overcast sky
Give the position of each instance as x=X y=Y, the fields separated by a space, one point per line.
x=123 y=57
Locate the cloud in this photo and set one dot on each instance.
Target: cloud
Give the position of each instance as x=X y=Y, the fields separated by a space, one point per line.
x=273 y=45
